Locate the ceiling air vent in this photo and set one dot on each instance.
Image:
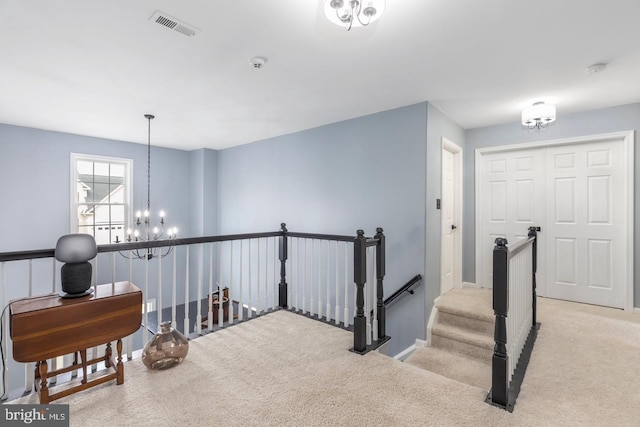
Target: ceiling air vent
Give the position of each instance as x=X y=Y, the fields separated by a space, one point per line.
x=173 y=23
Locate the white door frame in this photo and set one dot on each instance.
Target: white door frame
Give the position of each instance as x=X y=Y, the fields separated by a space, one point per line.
x=627 y=136
x=456 y=150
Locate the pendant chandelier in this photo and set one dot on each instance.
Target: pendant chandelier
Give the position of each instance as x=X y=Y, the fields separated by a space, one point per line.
x=353 y=13
x=144 y=229
x=538 y=116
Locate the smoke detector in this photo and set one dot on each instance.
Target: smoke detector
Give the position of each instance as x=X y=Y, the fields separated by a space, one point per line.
x=257 y=62
x=174 y=24
x=596 y=68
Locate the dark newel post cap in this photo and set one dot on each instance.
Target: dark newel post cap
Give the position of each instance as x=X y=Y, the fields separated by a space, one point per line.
x=501 y=242
x=360 y=233
x=283 y=227
x=379 y=230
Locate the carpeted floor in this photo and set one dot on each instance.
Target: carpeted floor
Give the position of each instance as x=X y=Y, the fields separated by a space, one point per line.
x=285 y=369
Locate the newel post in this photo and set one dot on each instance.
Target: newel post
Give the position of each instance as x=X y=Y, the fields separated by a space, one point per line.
x=360 y=278
x=533 y=233
x=500 y=380
x=380 y=272
x=283 y=254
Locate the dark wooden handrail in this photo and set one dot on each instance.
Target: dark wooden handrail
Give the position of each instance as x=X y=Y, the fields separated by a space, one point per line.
x=122 y=247
x=406 y=288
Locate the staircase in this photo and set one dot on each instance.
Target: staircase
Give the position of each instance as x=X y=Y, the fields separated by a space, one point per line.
x=461 y=338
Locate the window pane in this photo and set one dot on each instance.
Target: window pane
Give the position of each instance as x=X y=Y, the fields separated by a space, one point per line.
x=117 y=170
x=102 y=235
x=84 y=167
x=117 y=215
x=102 y=215
x=102 y=198
x=101 y=169
x=85 y=215
x=82 y=192
x=86 y=230
x=117 y=193
x=101 y=192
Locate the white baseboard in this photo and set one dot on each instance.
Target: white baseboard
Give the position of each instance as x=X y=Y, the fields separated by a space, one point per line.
x=433 y=316
x=405 y=353
x=636 y=310
x=468 y=285
x=402 y=356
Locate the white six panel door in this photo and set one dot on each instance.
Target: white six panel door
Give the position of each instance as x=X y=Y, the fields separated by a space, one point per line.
x=577 y=193
x=586 y=223
x=512 y=188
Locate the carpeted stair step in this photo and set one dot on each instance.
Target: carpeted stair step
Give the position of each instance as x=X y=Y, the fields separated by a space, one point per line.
x=455 y=366
x=477 y=324
x=468 y=343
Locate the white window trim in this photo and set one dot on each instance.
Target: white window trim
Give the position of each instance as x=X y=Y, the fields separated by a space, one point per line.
x=128 y=163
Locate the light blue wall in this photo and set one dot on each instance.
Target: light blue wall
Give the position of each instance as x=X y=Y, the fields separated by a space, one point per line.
x=363 y=173
x=34 y=177
x=204 y=192
x=606 y=120
x=34 y=192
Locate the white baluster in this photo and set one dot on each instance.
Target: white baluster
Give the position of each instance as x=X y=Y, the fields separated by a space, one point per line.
x=374 y=304
x=298 y=258
x=276 y=279
x=258 y=302
x=53 y=275
x=145 y=331
x=304 y=278
x=313 y=257
x=113 y=272
x=231 y=291
x=174 y=287
x=159 y=304
x=264 y=302
x=210 y=293
x=241 y=301
x=328 y=309
x=186 y=296
x=337 y=285
x=320 y=280
x=199 y=284
x=346 y=285
x=30 y=277
x=250 y=310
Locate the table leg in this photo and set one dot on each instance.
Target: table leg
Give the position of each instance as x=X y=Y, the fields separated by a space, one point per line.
x=83 y=357
x=107 y=356
x=44 y=390
x=120 y=365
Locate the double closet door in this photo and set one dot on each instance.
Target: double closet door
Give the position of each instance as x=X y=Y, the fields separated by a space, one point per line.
x=578 y=194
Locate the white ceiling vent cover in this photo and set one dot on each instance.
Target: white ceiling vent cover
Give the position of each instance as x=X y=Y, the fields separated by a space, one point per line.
x=173 y=23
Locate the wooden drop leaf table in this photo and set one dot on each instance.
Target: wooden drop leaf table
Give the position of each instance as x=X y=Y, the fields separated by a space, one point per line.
x=48 y=327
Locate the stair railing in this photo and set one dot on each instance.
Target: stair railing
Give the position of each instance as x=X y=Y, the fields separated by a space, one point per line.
x=514 y=306
x=251 y=271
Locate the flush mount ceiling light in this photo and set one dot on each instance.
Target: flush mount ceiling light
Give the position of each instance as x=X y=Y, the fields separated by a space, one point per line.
x=353 y=13
x=539 y=115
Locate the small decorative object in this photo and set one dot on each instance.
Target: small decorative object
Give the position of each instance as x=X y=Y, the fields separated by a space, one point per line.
x=166 y=349
x=75 y=250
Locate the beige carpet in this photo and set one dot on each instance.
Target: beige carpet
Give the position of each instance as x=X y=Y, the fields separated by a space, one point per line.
x=284 y=369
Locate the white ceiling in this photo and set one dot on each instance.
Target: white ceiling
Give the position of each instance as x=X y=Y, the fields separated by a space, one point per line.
x=95 y=67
